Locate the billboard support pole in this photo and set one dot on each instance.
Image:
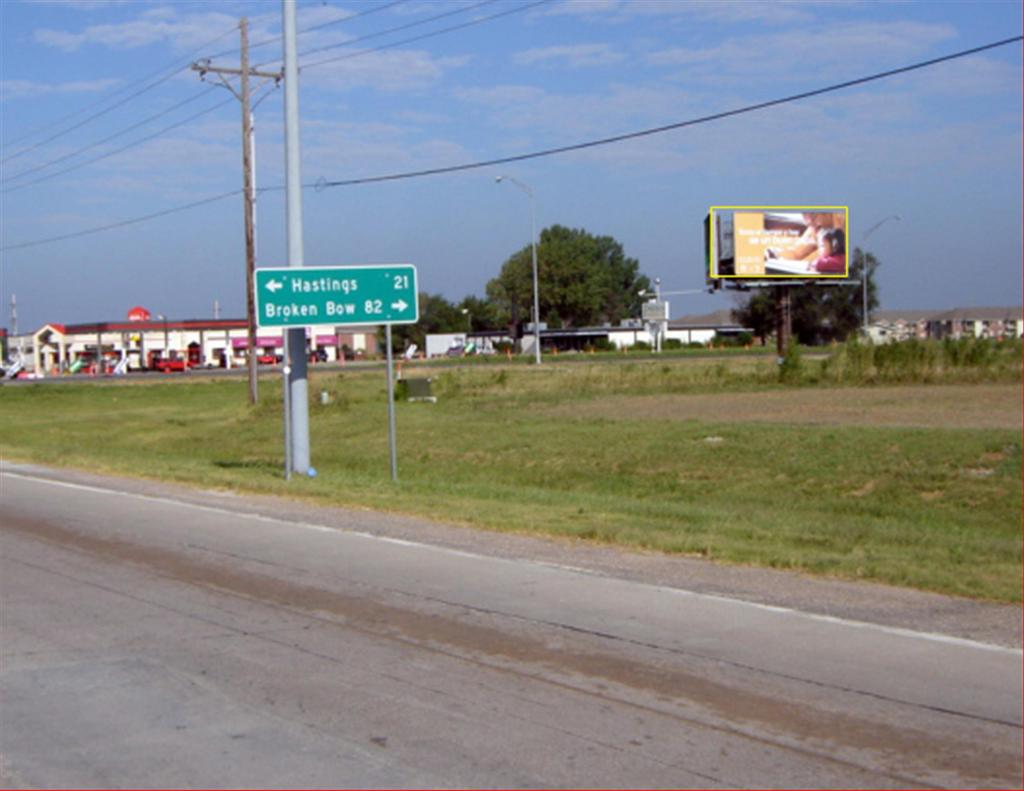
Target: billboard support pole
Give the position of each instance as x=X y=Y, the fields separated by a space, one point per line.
x=783 y=322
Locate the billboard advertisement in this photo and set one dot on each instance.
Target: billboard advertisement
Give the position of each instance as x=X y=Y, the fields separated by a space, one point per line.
x=781 y=242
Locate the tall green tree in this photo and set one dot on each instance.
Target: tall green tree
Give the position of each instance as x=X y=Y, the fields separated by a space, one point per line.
x=820 y=313
x=583 y=280
x=437 y=314
x=481 y=314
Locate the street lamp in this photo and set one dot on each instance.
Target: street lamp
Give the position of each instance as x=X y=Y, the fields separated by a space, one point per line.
x=533 y=245
x=864 y=262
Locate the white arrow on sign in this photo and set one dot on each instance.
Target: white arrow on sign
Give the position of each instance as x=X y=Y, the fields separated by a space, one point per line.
x=274 y=285
x=400 y=305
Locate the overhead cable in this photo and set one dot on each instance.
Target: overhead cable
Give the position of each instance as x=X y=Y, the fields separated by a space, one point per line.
x=124 y=223
x=416 y=23
x=320 y=185
x=421 y=37
x=552 y=151
x=319 y=26
x=174 y=67
x=107 y=139
x=116 y=151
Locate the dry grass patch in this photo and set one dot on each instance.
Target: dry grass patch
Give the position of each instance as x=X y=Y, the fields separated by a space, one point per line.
x=993 y=406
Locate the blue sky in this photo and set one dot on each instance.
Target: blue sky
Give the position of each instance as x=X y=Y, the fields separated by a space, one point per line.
x=940 y=147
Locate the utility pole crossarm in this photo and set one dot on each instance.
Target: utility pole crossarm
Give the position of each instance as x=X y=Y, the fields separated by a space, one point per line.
x=204 y=68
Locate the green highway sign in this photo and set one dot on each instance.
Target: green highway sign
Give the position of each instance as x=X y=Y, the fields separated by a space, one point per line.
x=336 y=295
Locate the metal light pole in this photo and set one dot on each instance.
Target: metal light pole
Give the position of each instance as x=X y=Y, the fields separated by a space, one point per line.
x=657 y=299
x=533 y=246
x=297 y=376
x=864 y=263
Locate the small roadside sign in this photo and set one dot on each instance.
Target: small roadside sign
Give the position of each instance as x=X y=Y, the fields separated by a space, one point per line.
x=336 y=295
x=654 y=311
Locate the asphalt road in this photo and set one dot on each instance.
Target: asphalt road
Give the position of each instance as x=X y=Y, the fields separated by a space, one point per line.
x=157 y=637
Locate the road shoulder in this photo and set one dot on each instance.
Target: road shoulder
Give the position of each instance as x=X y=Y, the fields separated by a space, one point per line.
x=985 y=622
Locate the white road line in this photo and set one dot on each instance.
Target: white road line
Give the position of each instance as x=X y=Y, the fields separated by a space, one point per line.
x=892 y=630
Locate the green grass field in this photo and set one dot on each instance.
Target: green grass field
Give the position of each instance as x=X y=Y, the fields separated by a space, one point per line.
x=913 y=485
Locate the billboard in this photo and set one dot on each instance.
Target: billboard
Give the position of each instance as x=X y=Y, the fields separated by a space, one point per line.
x=780 y=242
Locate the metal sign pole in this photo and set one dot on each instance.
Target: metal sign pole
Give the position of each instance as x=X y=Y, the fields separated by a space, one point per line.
x=286 y=370
x=391 y=406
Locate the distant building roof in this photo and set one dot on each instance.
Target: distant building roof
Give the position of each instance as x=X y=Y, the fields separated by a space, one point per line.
x=720 y=319
x=979 y=314
x=909 y=316
x=152 y=324
x=956 y=314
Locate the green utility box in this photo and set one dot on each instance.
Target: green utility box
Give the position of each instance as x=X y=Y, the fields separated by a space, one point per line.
x=419 y=390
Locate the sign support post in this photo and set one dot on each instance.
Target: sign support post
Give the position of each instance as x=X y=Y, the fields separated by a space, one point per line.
x=297 y=378
x=392 y=445
x=286 y=371
x=294 y=298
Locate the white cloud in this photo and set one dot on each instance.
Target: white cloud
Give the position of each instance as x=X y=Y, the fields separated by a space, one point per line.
x=584 y=8
x=734 y=11
x=502 y=95
x=313 y=15
x=17 y=89
x=392 y=70
x=728 y=11
x=153 y=25
x=575 y=56
x=332 y=150
x=85 y=5
x=567 y=117
x=793 y=52
x=977 y=75
x=423 y=118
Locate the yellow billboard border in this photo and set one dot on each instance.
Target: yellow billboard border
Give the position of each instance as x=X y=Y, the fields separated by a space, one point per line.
x=802 y=209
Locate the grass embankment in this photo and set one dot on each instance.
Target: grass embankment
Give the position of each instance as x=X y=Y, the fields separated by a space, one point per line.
x=912 y=485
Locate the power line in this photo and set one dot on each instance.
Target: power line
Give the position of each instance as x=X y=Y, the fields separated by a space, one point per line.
x=116 y=151
x=92 y=117
x=107 y=139
x=123 y=223
x=172 y=74
x=550 y=151
x=312 y=28
x=423 y=36
x=667 y=127
x=175 y=68
x=406 y=26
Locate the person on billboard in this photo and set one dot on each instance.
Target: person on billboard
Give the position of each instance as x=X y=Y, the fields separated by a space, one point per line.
x=806 y=247
x=831 y=258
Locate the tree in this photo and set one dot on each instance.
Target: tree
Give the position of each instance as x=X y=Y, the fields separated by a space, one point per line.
x=820 y=313
x=583 y=280
x=481 y=314
x=436 y=315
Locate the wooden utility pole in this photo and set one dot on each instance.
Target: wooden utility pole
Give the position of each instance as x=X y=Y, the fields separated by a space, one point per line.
x=243 y=95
